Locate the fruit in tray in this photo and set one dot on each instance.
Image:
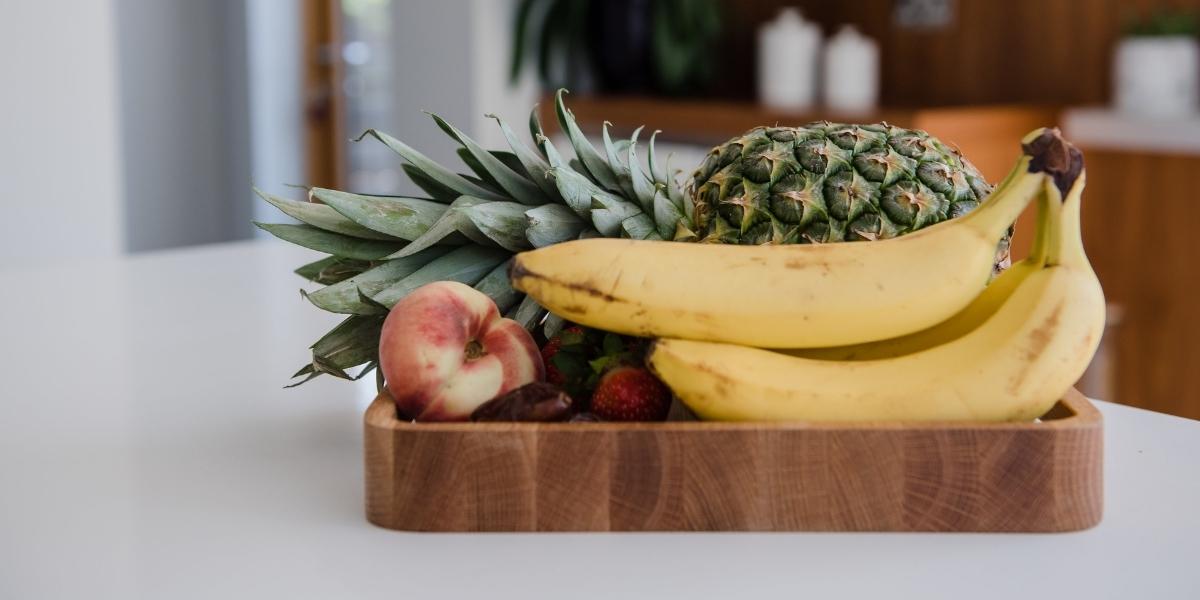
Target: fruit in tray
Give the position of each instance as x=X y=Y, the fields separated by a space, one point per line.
x=445 y=350
x=824 y=182
x=758 y=310
x=1008 y=355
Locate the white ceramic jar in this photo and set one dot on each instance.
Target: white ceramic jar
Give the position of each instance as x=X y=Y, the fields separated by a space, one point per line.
x=1158 y=76
x=851 y=72
x=788 y=51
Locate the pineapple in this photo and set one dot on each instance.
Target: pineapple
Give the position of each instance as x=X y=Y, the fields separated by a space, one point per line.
x=819 y=183
x=830 y=182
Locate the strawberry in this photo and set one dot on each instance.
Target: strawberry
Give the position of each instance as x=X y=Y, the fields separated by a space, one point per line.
x=552 y=347
x=553 y=375
x=630 y=394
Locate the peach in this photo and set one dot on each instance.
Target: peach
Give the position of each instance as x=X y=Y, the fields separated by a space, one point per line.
x=445 y=350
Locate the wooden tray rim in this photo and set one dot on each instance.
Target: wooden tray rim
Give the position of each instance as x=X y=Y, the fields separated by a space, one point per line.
x=1081 y=414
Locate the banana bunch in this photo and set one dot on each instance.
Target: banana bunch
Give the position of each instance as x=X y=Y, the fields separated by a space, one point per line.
x=901 y=329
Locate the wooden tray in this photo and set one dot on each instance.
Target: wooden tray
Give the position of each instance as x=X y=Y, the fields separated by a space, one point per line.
x=695 y=476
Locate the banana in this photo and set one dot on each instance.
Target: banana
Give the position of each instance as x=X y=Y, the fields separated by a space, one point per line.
x=1013 y=367
x=979 y=310
x=784 y=296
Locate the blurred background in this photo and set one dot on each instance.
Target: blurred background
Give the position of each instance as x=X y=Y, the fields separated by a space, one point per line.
x=140 y=125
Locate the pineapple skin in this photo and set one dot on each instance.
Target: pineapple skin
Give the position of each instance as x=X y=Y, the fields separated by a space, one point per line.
x=830 y=182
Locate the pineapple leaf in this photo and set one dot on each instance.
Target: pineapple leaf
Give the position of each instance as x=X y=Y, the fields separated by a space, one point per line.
x=528 y=313
x=344 y=297
x=676 y=195
x=367 y=370
x=476 y=168
x=326 y=367
x=666 y=214
x=437 y=192
x=496 y=285
x=305 y=370
x=332 y=269
x=511 y=161
x=437 y=172
x=553 y=325
x=534 y=165
x=555 y=159
x=535 y=130
x=405 y=218
x=507 y=158
x=640 y=227
x=643 y=187
x=368 y=301
x=580 y=193
x=592 y=162
x=353 y=342
x=321 y=216
x=662 y=176
x=502 y=222
x=656 y=172
x=619 y=168
x=336 y=244
x=608 y=212
x=551 y=224
x=449 y=226
x=517 y=186
x=467 y=264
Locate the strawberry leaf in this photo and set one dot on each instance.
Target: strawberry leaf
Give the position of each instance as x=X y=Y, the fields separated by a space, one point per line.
x=613 y=344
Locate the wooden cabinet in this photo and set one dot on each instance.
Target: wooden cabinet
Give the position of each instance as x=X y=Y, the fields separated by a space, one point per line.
x=1141 y=217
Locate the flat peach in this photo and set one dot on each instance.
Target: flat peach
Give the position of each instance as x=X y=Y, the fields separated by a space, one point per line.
x=445 y=350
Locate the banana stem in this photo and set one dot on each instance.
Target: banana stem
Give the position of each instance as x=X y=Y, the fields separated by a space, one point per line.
x=1047 y=216
x=1064 y=245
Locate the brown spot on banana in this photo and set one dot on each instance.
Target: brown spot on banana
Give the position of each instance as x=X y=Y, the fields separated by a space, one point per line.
x=518 y=274
x=1039 y=338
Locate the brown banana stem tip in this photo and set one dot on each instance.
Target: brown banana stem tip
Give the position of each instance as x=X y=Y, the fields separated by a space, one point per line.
x=515 y=270
x=1055 y=156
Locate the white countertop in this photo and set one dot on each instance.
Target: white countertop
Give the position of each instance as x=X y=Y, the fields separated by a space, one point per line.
x=147 y=450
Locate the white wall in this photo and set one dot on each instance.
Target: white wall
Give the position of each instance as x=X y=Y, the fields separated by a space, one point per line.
x=184 y=123
x=453 y=60
x=276 y=94
x=59 y=137
x=492 y=38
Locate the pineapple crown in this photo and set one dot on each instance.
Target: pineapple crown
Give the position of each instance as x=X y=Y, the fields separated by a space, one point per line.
x=380 y=248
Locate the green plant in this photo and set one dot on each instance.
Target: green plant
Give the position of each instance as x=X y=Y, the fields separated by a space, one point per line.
x=683 y=33
x=559 y=27
x=1165 y=22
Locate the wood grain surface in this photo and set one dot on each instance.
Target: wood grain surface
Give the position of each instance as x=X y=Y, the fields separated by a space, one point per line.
x=696 y=476
x=1139 y=220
